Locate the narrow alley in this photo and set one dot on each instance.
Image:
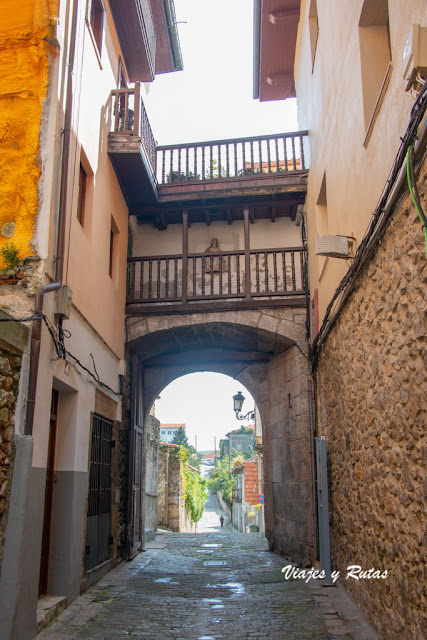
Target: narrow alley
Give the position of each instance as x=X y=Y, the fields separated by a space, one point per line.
x=216 y=584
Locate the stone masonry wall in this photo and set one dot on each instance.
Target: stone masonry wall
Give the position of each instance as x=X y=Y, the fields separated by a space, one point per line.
x=288 y=460
x=10 y=367
x=178 y=518
x=371 y=407
x=152 y=438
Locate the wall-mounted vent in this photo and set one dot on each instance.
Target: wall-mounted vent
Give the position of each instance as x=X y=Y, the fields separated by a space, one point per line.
x=332 y=246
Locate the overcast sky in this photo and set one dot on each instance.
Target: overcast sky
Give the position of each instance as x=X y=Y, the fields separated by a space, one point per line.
x=204 y=402
x=211 y=99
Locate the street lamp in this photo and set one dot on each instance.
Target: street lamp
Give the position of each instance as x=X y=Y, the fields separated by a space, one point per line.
x=238 y=401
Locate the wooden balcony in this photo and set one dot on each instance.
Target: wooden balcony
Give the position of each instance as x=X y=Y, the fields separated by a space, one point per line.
x=276 y=165
x=226 y=168
x=132 y=147
x=228 y=279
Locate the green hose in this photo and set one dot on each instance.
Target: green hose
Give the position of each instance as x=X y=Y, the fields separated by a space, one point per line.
x=411 y=191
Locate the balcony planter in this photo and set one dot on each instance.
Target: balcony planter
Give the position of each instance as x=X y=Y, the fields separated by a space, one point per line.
x=122 y=115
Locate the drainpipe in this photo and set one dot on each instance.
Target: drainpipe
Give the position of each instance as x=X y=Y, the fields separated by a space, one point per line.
x=36 y=333
x=60 y=245
x=66 y=140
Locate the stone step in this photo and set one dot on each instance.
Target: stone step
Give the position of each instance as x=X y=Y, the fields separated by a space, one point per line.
x=48 y=608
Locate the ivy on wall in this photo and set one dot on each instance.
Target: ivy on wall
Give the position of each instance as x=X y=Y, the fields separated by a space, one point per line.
x=195 y=488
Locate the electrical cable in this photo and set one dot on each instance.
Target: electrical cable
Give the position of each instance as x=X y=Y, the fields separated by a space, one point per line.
x=60 y=349
x=414 y=193
x=29 y=319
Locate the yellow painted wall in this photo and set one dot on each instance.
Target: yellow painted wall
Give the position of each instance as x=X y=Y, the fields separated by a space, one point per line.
x=25 y=49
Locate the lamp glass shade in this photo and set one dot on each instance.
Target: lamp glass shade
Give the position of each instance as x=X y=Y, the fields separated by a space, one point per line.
x=238 y=401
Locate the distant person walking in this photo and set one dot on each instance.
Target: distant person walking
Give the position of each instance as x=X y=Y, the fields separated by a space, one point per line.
x=221 y=519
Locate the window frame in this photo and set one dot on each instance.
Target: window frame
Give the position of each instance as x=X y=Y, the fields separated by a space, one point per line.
x=96 y=31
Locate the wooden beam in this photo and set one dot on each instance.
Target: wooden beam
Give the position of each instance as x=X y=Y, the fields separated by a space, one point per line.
x=229 y=216
x=282 y=79
x=184 y=256
x=273 y=214
x=207 y=218
x=163 y=221
x=297 y=301
x=284 y=16
x=206 y=355
x=294 y=212
x=251 y=215
x=247 y=254
x=238 y=203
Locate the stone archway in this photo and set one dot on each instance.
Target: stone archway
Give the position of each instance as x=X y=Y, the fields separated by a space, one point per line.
x=264 y=350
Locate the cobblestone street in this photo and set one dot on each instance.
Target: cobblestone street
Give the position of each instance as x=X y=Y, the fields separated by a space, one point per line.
x=205 y=586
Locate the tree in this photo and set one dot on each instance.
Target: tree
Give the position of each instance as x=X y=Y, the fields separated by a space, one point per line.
x=180 y=437
x=222 y=480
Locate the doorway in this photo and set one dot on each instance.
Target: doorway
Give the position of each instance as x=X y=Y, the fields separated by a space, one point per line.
x=98 y=531
x=48 y=500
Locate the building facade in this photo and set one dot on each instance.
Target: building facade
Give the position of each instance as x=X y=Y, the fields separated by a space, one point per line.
x=168 y=431
x=247 y=513
x=64 y=217
x=353 y=68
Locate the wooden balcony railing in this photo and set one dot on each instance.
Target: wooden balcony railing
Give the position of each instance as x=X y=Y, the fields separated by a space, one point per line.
x=229 y=275
x=130 y=118
x=248 y=158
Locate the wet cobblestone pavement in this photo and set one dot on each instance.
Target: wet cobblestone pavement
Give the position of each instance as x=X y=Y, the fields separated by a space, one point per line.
x=206 y=586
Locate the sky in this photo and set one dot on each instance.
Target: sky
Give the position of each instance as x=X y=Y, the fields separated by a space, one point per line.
x=204 y=402
x=212 y=97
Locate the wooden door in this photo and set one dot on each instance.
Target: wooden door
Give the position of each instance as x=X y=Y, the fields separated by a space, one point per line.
x=48 y=496
x=136 y=467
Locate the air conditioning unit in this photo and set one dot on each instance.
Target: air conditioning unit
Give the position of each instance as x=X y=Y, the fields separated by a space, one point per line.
x=415 y=55
x=332 y=246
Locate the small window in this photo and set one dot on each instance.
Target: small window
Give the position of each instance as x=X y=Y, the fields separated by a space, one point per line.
x=114 y=238
x=375 y=58
x=96 y=16
x=82 y=195
x=313 y=26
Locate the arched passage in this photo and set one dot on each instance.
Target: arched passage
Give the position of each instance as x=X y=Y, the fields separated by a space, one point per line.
x=264 y=351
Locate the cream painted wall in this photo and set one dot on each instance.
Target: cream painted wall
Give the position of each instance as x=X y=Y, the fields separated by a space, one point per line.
x=264 y=234
x=99 y=297
x=330 y=106
x=77 y=393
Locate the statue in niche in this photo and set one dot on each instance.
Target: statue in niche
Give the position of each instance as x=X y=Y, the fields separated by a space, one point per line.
x=212 y=264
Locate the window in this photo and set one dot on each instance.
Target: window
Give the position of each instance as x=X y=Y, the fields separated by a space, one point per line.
x=96 y=14
x=82 y=195
x=313 y=27
x=114 y=238
x=375 y=59
x=322 y=221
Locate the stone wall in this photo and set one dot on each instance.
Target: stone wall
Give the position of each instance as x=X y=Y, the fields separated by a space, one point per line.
x=170 y=492
x=280 y=387
x=152 y=438
x=13 y=339
x=288 y=460
x=371 y=407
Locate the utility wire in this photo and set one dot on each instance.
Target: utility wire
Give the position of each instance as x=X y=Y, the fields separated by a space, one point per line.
x=60 y=350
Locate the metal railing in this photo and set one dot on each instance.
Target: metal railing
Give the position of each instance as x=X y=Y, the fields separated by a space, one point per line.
x=249 y=158
x=272 y=273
